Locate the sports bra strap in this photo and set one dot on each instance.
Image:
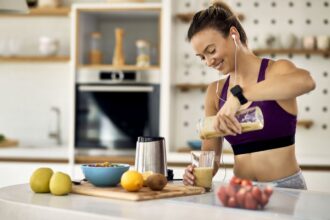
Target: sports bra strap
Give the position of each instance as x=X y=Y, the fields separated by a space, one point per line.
x=262 y=71
x=223 y=95
x=261 y=76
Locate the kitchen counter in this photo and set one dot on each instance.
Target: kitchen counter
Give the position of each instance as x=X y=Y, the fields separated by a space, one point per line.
x=19 y=202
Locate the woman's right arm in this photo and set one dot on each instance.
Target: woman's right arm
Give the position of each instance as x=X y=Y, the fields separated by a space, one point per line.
x=211 y=108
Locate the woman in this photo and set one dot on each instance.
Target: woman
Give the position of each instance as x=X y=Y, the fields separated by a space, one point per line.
x=267 y=155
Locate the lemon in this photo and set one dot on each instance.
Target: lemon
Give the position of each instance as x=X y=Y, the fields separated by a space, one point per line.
x=145 y=177
x=132 y=181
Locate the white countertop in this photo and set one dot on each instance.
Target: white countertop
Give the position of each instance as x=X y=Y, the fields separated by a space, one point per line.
x=19 y=202
x=62 y=153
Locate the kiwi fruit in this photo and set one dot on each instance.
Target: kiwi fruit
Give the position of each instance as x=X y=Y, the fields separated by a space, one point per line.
x=156 y=181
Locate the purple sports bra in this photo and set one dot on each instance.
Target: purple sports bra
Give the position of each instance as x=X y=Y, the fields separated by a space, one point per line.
x=279 y=125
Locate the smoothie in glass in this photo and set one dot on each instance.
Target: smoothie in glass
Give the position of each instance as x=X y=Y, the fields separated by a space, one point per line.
x=203 y=162
x=203 y=177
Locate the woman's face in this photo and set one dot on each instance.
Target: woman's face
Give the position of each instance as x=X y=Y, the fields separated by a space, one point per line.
x=213 y=49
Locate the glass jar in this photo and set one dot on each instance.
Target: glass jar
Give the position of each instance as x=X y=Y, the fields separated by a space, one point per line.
x=48 y=3
x=251 y=119
x=95 y=53
x=48 y=46
x=143 y=53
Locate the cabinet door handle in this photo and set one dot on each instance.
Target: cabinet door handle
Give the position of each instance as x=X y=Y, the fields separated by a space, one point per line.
x=116 y=88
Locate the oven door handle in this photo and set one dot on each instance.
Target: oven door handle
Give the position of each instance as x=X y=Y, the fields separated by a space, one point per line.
x=116 y=88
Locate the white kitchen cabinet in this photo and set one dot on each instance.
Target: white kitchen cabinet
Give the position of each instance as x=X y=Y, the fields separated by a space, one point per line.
x=138 y=21
x=13 y=173
x=317 y=180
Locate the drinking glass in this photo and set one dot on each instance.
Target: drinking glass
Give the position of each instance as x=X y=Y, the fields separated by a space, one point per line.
x=203 y=170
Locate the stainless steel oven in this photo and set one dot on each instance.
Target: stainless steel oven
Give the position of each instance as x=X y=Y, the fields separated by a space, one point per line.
x=113 y=108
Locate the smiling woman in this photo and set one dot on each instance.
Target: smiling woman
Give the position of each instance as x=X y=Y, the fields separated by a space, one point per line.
x=266 y=155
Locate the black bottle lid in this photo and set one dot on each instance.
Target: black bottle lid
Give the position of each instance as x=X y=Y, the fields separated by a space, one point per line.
x=170 y=174
x=149 y=139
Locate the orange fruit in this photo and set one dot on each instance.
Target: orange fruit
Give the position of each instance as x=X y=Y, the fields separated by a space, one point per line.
x=132 y=181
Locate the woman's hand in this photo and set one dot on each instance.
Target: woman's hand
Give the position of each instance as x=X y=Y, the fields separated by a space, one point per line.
x=226 y=121
x=188 y=176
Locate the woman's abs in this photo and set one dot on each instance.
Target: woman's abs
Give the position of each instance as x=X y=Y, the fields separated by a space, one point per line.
x=265 y=166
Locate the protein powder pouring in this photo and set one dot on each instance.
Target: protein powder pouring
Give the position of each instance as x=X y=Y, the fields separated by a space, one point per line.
x=251 y=119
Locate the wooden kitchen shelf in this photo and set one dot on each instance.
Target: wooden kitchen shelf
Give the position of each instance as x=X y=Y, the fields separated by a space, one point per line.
x=292 y=51
x=305 y=123
x=187 y=17
x=61 y=11
x=186 y=86
x=35 y=59
x=125 y=67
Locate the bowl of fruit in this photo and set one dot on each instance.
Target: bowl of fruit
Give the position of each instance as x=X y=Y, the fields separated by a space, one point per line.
x=241 y=193
x=104 y=174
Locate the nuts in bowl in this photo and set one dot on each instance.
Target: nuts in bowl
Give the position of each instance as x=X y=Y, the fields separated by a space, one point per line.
x=240 y=193
x=104 y=174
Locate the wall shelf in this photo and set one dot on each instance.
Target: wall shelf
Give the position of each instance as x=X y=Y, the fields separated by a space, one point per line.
x=61 y=11
x=305 y=123
x=125 y=67
x=292 y=51
x=35 y=59
x=184 y=87
x=187 y=17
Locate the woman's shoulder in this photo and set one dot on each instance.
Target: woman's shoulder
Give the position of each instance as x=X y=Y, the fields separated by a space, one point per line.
x=216 y=86
x=213 y=92
x=280 y=66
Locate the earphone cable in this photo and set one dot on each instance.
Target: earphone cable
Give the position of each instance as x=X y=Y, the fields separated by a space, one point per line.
x=235 y=82
x=216 y=92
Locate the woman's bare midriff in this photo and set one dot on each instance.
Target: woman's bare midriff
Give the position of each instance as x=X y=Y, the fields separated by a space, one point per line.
x=266 y=166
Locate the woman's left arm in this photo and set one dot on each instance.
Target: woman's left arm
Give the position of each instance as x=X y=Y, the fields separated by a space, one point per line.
x=283 y=81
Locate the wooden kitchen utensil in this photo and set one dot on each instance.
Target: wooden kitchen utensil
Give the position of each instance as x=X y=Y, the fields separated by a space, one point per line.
x=118 y=56
x=170 y=190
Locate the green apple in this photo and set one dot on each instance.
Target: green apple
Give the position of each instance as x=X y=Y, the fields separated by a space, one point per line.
x=60 y=184
x=39 y=181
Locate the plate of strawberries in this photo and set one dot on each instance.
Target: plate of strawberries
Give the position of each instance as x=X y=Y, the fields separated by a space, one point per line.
x=241 y=193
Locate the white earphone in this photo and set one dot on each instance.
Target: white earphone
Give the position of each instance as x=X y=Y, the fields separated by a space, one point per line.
x=234 y=38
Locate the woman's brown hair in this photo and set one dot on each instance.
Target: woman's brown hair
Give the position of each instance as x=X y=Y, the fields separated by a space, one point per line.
x=218 y=16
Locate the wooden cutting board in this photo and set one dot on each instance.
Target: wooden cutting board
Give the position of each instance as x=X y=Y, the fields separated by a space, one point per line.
x=170 y=190
x=8 y=143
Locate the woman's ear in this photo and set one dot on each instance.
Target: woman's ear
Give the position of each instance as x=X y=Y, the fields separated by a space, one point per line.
x=234 y=32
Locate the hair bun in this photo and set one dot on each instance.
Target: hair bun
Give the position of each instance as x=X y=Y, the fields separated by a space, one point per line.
x=220 y=4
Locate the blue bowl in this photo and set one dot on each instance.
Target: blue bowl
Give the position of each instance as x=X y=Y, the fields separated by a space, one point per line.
x=104 y=176
x=195 y=144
